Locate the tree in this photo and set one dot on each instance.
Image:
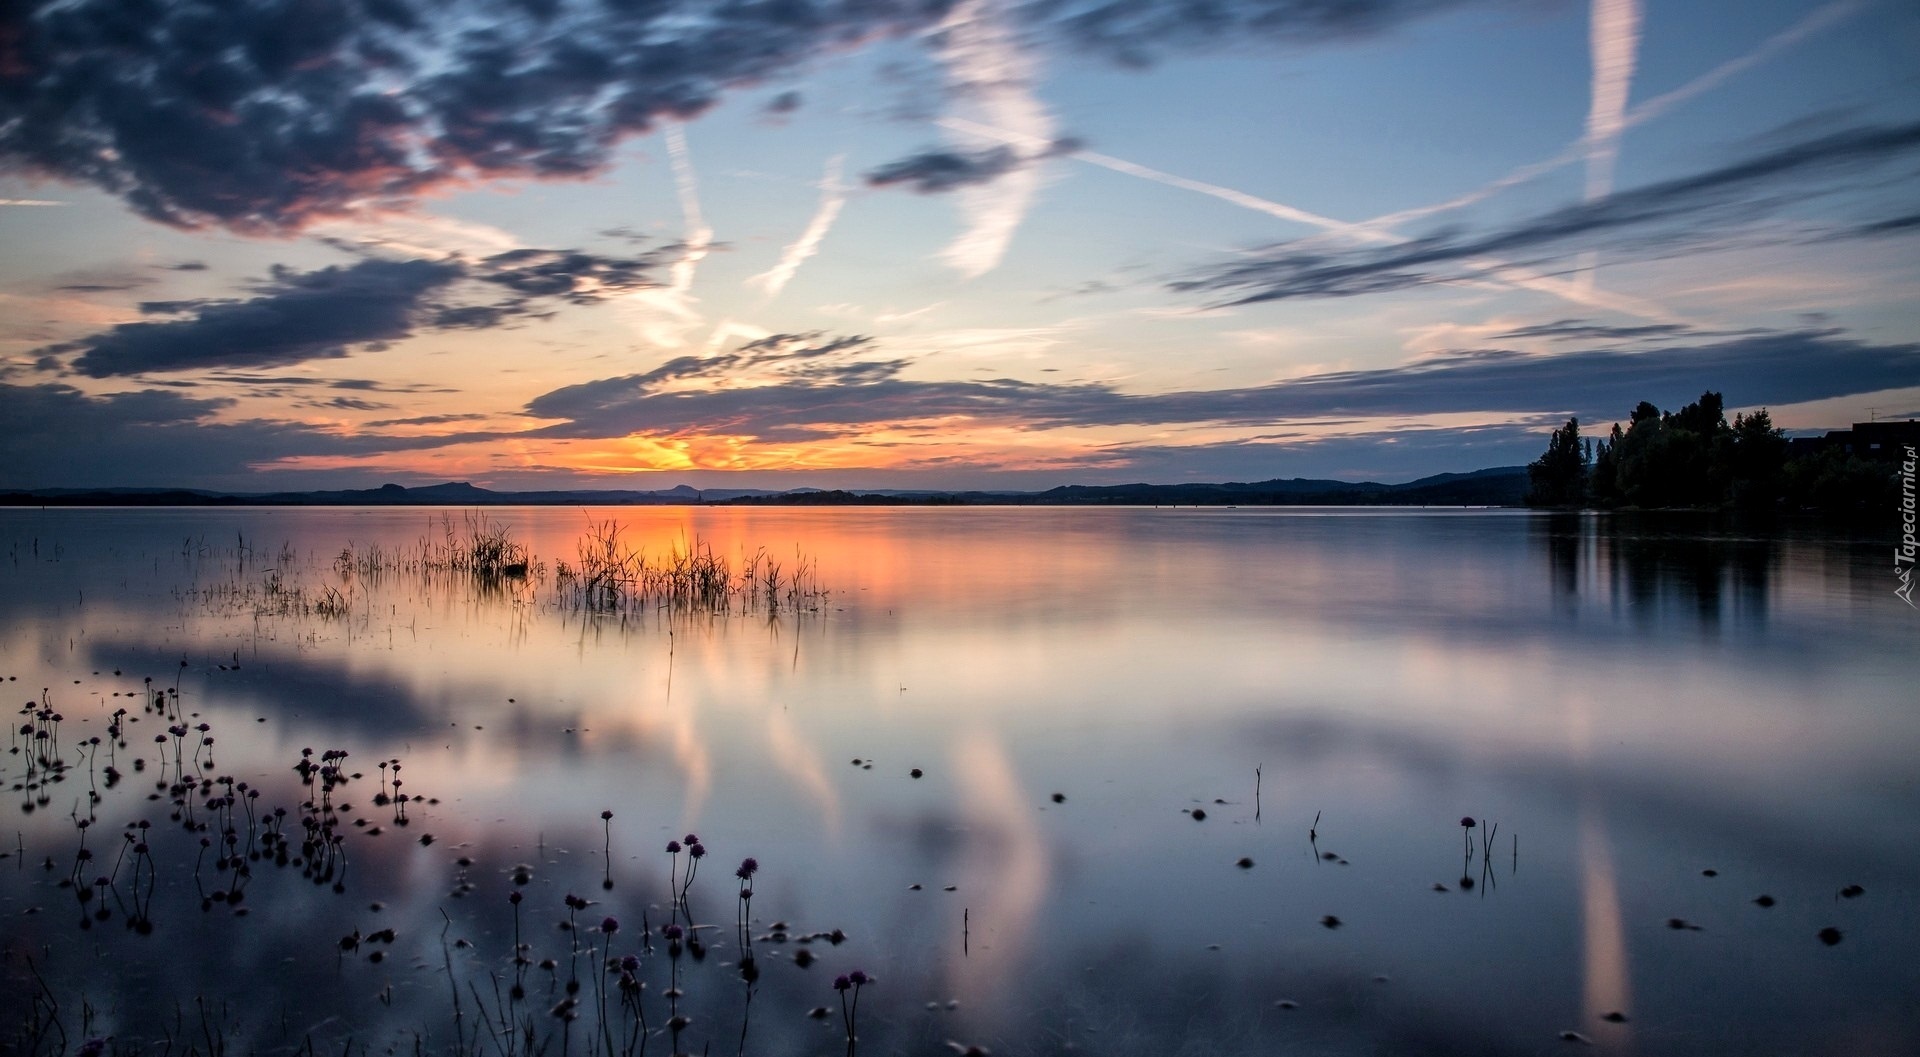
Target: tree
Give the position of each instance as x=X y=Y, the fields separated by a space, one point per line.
x=1757 y=459
x=1603 y=483
x=1559 y=477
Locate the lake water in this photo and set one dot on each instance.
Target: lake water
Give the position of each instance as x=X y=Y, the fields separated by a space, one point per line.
x=1653 y=723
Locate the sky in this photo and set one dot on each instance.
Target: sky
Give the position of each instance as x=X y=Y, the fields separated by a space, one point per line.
x=279 y=244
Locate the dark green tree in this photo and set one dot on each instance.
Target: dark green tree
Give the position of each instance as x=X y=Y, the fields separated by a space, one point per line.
x=1603 y=482
x=1756 y=461
x=1670 y=459
x=1836 y=483
x=1559 y=477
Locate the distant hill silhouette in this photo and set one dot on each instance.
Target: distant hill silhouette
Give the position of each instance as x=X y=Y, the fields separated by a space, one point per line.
x=1497 y=486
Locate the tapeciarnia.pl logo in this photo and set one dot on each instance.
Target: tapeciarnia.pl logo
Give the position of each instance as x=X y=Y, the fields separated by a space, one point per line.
x=1903 y=555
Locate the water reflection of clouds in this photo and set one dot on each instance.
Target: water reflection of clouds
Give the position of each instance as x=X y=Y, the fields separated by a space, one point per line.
x=1386 y=668
x=1672 y=800
x=1005 y=873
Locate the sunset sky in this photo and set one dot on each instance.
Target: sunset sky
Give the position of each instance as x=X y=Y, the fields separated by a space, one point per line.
x=927 y=243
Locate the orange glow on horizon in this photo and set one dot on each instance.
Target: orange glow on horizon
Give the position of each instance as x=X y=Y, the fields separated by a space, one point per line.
x=890 y=448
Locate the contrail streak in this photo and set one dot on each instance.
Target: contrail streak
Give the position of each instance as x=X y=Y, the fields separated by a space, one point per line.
x=1105 y=161
x=699 y=237
x=833 y=195
x=1639 y=115
x=985 y=61
x=675 y=300
x=1613 y=39
x=1512 y=275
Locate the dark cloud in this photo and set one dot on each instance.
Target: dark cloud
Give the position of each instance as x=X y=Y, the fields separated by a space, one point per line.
x=938 y=171
x=100 y=288
x=296 y=316
x=428 y=420
x=1581 y=330
x=783 y=104
x=569 y=275
x=1134 y=32
x=262 y=116
x=808 y=388
x=292 y=381
x=1891 y=226
x=58 y=436
x=349 y=403
x=935 y=171
x=1655 y=217
x=185 y=266
x=789 y=372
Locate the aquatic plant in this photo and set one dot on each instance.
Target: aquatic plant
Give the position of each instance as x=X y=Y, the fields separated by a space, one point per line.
x=850 y=1012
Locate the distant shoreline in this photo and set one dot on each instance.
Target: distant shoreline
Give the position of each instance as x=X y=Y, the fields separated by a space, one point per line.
x=1497 y=487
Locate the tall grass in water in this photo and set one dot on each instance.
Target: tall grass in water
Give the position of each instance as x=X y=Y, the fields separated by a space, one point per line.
x=478 y=546
x=612 y=577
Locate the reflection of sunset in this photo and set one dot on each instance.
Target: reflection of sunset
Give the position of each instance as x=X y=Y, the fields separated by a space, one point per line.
x=1385 y=667
x=1605 y=972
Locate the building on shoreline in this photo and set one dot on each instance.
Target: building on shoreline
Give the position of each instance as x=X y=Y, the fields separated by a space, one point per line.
x=1879 y=441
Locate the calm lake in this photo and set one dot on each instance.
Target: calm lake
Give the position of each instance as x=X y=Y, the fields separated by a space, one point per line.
x=1053 y=774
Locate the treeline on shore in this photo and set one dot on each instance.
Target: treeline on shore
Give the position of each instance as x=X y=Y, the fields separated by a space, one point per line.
x=1695 y=458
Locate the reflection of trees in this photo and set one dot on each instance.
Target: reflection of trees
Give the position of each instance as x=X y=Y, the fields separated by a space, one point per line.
x=1659 y=567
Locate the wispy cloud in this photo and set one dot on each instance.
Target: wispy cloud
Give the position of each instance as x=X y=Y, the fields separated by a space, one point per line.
x=992 y=72
x=1820 y=19
x=29 y=202
x=665 y=314
x=1613 y=40
x=1581 y=330
x=1493 y=271
x=419 y=234
x=798 y=388
x=1686 y=210
x=833 y=196
x=1091 y=157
